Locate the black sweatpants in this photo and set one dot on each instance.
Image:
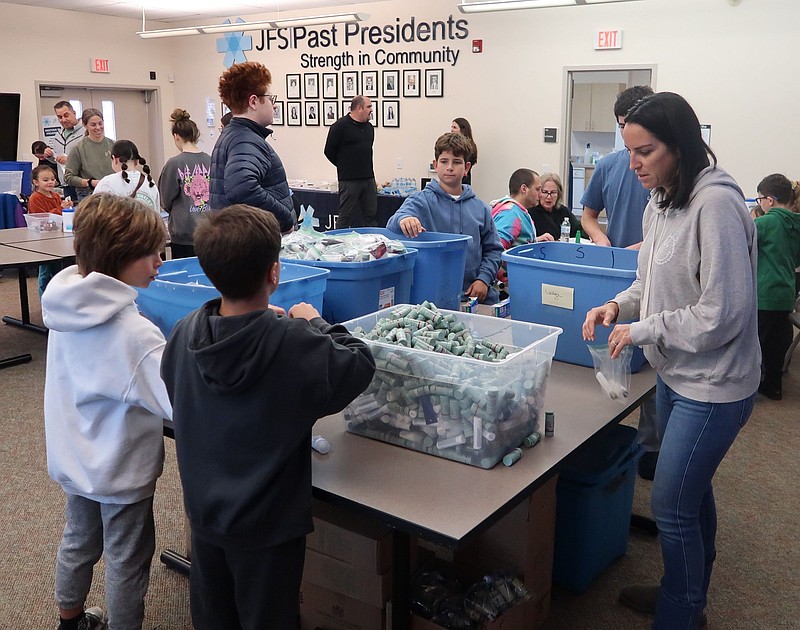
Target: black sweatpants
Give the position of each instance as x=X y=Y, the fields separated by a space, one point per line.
x=358 y=203
x=775 y=336
x=246 y=589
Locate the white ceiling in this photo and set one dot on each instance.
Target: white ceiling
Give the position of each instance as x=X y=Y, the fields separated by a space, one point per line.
x=182 y=10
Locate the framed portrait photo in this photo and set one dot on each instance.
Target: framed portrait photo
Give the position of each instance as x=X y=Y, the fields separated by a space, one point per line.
x=311 y=84
x=391 y=83
x=373 y=115
x=330 y=112
x=349 y=84
x=293 y=117
x=391 y=113
x=434 y=83
x=411 y=83
x=277 y=117
x=312 y=113
x=330 y=82
x=292 y=86
x=369 y=83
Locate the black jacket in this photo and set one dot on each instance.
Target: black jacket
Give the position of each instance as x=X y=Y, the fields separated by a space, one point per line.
x=545 y=221
x=246 y=391
x=246 y=169
x=349 y=148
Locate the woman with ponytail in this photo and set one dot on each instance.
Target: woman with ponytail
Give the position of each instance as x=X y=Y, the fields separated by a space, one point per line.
x=778 y=233
x=127 y=180
x=184 y=184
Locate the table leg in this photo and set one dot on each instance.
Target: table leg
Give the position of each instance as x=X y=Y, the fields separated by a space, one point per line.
x=12 y=361
x=25 y=321
x=401 y=581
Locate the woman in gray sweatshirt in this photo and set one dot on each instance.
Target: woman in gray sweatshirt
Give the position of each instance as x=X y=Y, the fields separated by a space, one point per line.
x=695 y=299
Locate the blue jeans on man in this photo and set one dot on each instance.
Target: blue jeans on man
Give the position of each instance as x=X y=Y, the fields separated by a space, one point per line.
x=695 y=438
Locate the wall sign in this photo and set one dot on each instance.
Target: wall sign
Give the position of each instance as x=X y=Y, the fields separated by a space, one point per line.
x=98 y=65
x=608 y=40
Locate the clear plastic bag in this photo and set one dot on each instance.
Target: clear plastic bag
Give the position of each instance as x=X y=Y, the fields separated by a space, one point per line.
x=614 y=375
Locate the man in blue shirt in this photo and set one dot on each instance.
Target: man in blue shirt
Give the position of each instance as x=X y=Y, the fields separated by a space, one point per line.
x=615 y=187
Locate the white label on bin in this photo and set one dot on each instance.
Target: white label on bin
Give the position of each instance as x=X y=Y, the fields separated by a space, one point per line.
x=386 y=297
x=562 y=297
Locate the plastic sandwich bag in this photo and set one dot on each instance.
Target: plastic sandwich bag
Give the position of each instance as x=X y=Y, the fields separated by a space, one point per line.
x=613 y=375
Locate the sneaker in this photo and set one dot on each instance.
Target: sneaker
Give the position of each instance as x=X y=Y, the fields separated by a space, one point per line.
x=643 y=600
x=94 y=618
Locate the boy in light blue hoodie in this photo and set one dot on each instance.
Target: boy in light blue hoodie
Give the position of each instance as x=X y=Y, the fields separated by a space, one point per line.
x=449 y=206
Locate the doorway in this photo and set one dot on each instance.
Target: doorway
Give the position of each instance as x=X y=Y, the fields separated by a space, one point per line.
x=130 y=113
x=591 y=131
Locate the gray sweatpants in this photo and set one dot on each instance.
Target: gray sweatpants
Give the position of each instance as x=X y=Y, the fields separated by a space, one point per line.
x=125 y=534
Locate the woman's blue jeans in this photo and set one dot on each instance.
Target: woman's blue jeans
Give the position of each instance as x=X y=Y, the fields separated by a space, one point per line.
x=696 y=436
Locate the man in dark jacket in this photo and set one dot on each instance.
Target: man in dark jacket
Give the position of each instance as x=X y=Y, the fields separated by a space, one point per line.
x=349 y=148
x=244 y=167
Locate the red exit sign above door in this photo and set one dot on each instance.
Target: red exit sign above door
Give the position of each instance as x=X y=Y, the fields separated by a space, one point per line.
x=98 y=65
x=608 y=40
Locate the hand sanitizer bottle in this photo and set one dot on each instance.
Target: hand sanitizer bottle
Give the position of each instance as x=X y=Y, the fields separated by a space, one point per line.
x=587 y=156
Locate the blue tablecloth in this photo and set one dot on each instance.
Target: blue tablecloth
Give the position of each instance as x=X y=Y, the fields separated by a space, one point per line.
x=326 y=206
x=11 y=215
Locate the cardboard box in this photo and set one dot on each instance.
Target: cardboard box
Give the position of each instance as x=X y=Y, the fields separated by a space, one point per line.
x=523 y=541
x=357 y=540
x=340 y=577
x=321 y=608
x=502 y=308
x=470 y=306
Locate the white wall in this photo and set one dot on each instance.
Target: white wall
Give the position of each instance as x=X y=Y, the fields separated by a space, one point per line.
x=729 y=62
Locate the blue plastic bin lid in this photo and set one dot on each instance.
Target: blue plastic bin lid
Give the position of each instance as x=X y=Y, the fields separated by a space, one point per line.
x=601 y=458
x=576 y=258
x=423 y=241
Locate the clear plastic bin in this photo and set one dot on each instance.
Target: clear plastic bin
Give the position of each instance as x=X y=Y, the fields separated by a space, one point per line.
x=11 y=182
x=456 y=407
x=181 y=287
x=43 y=222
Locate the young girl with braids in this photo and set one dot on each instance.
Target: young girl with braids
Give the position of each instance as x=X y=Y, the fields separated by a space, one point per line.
x=126 y=180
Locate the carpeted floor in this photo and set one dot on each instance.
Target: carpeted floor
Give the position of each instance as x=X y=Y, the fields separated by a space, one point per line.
x=756 y=583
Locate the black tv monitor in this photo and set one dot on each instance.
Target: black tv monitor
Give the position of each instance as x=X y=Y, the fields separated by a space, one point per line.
x=9 y=126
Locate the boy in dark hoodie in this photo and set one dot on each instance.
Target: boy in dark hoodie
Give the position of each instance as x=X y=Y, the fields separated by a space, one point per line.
x=449 y=206
x=247 y=384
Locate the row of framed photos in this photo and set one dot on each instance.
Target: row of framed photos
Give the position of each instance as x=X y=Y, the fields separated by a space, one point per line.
x=312 y=113
x=365 y=82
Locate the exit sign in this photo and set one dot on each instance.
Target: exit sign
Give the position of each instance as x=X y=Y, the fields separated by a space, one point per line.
x=99 y=65
x=608 y=40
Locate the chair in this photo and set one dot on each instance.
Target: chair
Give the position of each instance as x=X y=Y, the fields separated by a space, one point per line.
x=794 y=317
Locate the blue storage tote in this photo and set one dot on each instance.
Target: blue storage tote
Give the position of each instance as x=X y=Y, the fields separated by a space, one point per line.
x=439 y=269
x=26 y=168
x=359 y=288
x=594 y=497
x=556 y=283
x=181 y=287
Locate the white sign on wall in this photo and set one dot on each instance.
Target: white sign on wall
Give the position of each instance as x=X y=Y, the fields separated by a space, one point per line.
x=608 y=40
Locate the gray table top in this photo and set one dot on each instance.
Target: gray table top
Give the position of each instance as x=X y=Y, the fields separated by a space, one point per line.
x=60 y=247
x=23 y=234
x=13 y=256
x=447 y=501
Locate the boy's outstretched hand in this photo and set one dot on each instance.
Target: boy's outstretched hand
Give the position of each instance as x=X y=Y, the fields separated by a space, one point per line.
x=477 y=289
x=411 y=227
x=303 y=311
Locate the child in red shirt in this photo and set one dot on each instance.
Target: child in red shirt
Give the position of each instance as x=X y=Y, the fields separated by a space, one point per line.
x=44 y=199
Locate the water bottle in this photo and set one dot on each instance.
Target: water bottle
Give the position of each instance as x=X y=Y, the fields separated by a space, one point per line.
x=67 y=216
x=565 y=231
